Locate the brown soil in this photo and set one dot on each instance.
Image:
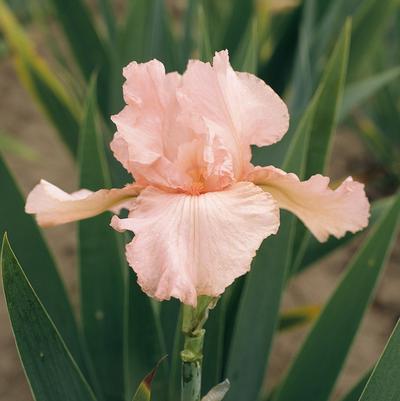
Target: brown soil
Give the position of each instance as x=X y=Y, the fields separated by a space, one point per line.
x=19 y=116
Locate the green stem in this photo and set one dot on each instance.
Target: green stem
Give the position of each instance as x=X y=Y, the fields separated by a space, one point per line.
x=192 y=354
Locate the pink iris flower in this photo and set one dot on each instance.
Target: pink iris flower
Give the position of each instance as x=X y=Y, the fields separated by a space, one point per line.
x=198 y=207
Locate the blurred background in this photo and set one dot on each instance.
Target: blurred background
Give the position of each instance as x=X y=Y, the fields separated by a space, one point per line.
x=49 y=50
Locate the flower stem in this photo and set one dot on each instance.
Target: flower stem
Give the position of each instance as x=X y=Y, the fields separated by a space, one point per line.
x=192 y=354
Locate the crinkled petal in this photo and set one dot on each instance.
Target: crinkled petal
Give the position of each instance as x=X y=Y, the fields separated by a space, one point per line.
x=323 y=210
x=52 y=206
x=186 y=245
x=238 y=107
x=147 y=128
x=138 y=146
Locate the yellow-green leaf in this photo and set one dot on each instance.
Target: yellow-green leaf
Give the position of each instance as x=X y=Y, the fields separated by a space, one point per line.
x=296 y=317
x=40 y=81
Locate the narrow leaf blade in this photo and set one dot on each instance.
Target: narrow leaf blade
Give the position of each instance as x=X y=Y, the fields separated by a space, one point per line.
x=262 y=290
x=327 y=106
x=40 y=81
x=101 y=269
x=50 y=368
x=144 y=341
x=37 y=262
x=384 y=383
x=79 y=28
x=147 y=34
x=358 y=92
x=316 y=367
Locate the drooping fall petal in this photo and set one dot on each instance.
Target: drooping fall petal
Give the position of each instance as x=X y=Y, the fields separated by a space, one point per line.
x=237 y=107
x=52 y=206
x=186 y=245
x=323 y=210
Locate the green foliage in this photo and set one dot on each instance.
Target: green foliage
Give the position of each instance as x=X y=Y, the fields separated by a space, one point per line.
x=330 y=70
x=51 y=370
x=384 y=382
x=101 y=267
x=35 y=74
x=316 y=367
x=9 y=144
x=37 y=262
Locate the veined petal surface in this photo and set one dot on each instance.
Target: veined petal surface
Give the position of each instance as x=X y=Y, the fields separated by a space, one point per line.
x=154 y=144
x=323 y=210
x=52 y=206
x=237 y=107
x=191 y=245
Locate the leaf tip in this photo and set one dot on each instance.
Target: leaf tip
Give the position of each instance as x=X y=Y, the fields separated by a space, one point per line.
x=149 y=378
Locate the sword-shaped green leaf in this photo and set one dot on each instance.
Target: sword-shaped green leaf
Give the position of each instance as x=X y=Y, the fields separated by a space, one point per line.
x=318 y=364
x=147 y=34
x=189 y=25
x=50 y=368
x=87 y=46
x=109 y=17
x=368 y=30
x=329 y=99
x=237 y=22
x=37 y=262
x=358 y=92
x=203 y=38
x=251 y=338
x=326 y=102
x=143 y=340
x=101 y=267
x=35 y=74
x=384 y=382
x=246 y=58
x=214 y=346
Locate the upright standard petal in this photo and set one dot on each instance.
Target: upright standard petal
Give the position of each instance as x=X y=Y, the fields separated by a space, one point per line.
x=188 y=245
x=144 y=143
x=153 y=142
x=52 y=206
x=323 y=210
x=238 y=107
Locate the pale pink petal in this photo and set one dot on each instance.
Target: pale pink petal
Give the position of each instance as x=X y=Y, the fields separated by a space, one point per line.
x=52 y=206
x=138 y=145
x=154 y=141
x=207 y=163
x=266 y=115
x=323 y=210
x=238 y=107
x=186 y=246
x=148 y=131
